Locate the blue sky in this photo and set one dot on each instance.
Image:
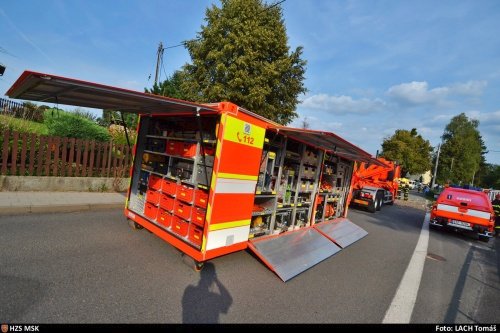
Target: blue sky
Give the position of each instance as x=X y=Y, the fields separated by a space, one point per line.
x=373 y=66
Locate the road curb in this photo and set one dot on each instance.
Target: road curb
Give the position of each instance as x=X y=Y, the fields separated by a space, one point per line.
x=18 y=210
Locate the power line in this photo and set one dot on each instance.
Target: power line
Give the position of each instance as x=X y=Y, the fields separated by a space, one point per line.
x=162 y=48
x=3 y=50
x=277 y=3
x=199 y=38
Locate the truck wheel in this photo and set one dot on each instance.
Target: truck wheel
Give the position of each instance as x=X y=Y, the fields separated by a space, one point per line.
x=483 y=238
x=379 y=202
x=371 y=206
x=198 y=266
x=134 y=225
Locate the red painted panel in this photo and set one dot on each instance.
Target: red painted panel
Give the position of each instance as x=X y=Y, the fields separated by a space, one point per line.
x=228 y=207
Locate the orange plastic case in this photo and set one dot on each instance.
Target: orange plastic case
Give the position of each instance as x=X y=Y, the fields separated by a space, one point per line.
x=155 y=182
x=169 y=186
x=195 y=235
x=164 y=218
x=179 y=226
x=185 y=193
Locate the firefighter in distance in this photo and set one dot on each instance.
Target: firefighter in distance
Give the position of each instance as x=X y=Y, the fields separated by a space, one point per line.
x=496 y=207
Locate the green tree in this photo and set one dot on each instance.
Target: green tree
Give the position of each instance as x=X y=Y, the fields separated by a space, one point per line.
x=171 y=87
x=241 y=55
x=490 y=177
x=462 y=151
x=409 y=149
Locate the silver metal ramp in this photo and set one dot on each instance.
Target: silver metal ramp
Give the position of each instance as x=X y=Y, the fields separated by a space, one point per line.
x=293 y=252
x=341 y=231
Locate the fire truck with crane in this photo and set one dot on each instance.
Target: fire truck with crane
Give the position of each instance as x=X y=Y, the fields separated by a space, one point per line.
x=374 y=185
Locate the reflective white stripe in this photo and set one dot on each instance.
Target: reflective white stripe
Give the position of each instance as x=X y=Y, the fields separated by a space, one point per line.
x=224 y=185
x=226 y=237
x=478 y=213
x=470 y=212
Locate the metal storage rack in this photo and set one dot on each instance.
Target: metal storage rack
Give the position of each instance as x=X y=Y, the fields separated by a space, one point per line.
x=287 y=186
x=334 y=185
x=174 y=177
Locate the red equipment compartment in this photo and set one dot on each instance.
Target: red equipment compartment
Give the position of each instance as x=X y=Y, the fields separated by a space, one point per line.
x=183 y=210
x=198 y=216
x=164 y=218
x=150 y=211
x=174 y=147
x=167 y=202
x=153 y=196
x=200 y=198
x=169 y=186
x=154 y=182
x=179 y=226
x=187 y=149
x=185 y=193
x=195 y=235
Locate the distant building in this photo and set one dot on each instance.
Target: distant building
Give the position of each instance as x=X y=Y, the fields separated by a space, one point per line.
x=426 y=177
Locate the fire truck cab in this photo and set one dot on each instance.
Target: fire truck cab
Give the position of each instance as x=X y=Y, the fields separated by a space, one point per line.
x=464 y=210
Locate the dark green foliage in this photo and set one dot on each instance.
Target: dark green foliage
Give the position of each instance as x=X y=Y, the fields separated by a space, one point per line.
x=241 y=55
x=171 y=87
x=462 y=152
x=409 y=149
x=490 y=176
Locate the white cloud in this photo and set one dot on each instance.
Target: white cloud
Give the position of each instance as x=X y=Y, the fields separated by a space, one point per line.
x=489 y=118
x=418 y=92
x=471 y=88
x=342 y=104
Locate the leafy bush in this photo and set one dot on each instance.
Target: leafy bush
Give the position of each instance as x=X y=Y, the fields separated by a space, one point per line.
x=73 y=125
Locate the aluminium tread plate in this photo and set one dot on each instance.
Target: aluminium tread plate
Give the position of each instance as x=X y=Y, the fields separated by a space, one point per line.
x=341 y=231
x=294 y=252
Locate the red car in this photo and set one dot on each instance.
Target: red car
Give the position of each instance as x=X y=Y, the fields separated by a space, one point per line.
x=464 y=210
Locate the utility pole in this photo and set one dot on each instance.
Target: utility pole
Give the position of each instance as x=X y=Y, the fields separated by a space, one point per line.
x=159 y=59
x=436 y=167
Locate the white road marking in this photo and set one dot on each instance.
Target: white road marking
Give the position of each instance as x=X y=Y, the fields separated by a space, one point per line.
x=401 y=308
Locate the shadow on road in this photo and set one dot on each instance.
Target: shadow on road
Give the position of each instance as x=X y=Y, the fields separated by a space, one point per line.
x=476 y=253
x=202 y=303
x=19 y=295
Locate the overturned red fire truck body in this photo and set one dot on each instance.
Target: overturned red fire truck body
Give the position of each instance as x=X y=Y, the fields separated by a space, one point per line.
x=212 y=179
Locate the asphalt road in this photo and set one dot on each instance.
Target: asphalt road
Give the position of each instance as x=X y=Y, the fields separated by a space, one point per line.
x=90 y=267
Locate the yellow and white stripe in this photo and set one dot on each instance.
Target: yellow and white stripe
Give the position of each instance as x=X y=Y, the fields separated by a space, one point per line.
x=240 y=186
x=226 y=237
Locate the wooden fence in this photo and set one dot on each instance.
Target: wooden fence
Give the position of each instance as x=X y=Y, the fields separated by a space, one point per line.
x=26 y=154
